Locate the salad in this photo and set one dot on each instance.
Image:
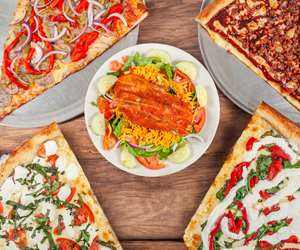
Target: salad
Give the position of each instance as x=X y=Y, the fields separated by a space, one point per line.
x=150 y=108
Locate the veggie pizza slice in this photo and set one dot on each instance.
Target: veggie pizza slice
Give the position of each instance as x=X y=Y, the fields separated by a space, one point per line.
x=46 y=202
x=254 y=202
x=51 y=39
x=264 y=35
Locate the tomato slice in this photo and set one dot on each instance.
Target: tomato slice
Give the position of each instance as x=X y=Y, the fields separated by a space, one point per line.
x=109 y=140
x=95 y=244
x=67 y=244
x=52 y=159
x=18 y=236
x=83 y=214
x=151 y=162
x=199 y=119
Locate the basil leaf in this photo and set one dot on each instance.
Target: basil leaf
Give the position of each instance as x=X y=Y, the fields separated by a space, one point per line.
x=241 y=193
x=262 y=166
x=220 y=194
x=106 y=244
x=297 y=165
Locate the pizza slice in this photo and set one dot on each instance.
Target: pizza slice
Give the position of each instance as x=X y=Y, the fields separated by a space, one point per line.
x=264 y=35
x=254 y=202
x=51 y=39
x=46 y=202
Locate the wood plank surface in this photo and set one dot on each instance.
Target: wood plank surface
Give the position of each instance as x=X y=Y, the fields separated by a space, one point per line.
x=140 y=209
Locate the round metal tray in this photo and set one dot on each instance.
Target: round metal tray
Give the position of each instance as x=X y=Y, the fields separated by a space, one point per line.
x=65 y=100
x=239 y=83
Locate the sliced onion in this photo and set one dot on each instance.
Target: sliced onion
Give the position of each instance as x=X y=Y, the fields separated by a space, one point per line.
x=116 y=145
x=80 y=34
x=11 y=68
x=194 y=136
x=174 y=147
x=120 y=17
x=139 y=146
x=103 y=27
x=66 y=15
x=72 y=8
x=56 y=35
x=96 y=3
x=20 y=19
x=35 y=3
x=90 y=14
x=38 y=53
x=29 y=33
x=107 y=97
x=36 y=24
x=99 y=14
x=54 y=52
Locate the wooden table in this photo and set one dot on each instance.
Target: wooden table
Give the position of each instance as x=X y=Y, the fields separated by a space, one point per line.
x=151 y=213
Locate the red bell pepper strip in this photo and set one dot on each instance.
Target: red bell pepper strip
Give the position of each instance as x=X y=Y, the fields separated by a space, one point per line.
x=253 y=181
x=277 y=152
x=57 y=18
x=27 y=63
x=57 y=3
x=82 y=6
x=265 y=245
x=117 y=8
x=82 y=45
x=244 y=215
x=213 y=233
x=7 y=62
x=235 y=176
x=250 y=142
x=274 y=168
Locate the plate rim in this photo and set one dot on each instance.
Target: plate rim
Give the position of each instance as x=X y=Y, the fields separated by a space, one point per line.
x=152 y=173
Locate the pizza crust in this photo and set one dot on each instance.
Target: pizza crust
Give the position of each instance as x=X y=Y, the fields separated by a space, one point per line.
x=103 y=43
x=204 y=17
x=27 y=152
x=264 y=119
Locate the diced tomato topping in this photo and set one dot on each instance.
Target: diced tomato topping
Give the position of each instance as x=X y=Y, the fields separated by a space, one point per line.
x=274 y=168
x=253 y=181
x=41 y=151
x=250 y=238
x=291 y=197
x=58 y=230
x=67 y=244
x=250 y=142
x=83 y=214
x=95 y=244
x=234 y=225
x=52 y=159
x=18 y=236
x=265 y=245
x=288 y=220
x=264 y=194
x=277 y=152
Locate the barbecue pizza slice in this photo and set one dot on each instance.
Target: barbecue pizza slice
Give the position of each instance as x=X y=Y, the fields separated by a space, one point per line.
x=46 y=201
x=264 y=35
x=254 y=202
x=51 y=39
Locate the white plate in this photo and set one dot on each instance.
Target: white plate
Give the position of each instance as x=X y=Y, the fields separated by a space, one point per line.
x=207 y=133
x=65 y=100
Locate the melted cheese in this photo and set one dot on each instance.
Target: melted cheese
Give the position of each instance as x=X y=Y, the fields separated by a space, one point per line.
x=64 y=192
x=50 y=147
x=72 y=172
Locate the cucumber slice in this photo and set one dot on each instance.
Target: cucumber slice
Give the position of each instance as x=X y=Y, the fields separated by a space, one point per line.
x=162 y=55
x=201 y=95
x=98 y=124
x=181 y=154
x=188 y=68
x=127 y=159
x=105 y=83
